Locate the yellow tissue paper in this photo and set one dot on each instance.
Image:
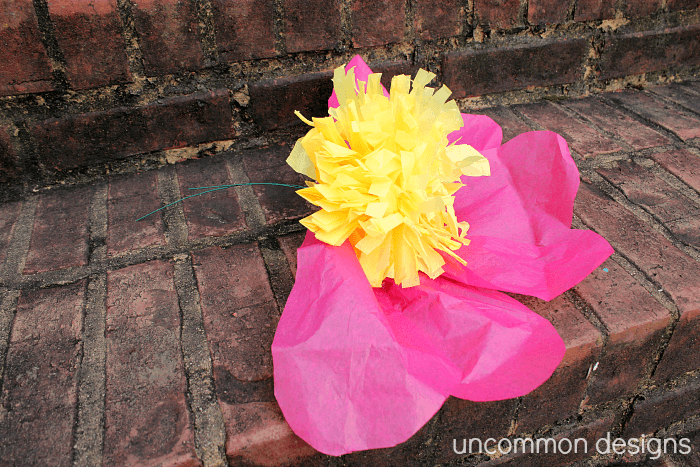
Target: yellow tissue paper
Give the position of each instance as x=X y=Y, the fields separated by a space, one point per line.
x=385 y=175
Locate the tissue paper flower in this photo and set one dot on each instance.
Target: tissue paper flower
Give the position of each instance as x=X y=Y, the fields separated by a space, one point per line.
x=360 y=367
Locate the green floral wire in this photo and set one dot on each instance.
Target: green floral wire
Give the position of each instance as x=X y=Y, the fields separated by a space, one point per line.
x=215 y=188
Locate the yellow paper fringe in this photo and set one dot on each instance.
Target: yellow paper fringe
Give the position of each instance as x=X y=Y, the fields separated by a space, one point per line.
x=386 y=175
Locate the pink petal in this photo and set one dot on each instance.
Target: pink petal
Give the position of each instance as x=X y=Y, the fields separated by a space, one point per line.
x=519 y=220
x=479 y=132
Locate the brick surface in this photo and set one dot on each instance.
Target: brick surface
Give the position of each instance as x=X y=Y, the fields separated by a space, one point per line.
x=502 y=14
x=683 y=351
x=681 y=163
x=668 y=205
x=99 y=61
x=650 y=51
x=392 y=68
x=129 y=199
x=95 y=137
x=278 y=202
x=547 y=11
x=560 y=396
x=637 y=8
x=273 y=102
x=590 y=10
x=675 y=5
x=511 y=125
x=635 y=322
x=377 y=23
x=212 y=214
x=39 y=391
x=290 y=244
x=438 y=19
x=60 y=235
x=147 y=421
x=679 y=94
x=168 y=33
x=620 y=124
x=311 y=24
x=26 y=66
x=8 y=216
x=244 y=29
x=663 y=408
x=678 y=274
x=581 y=138
x=682 y=124
x=484 y=71
x=8 y=157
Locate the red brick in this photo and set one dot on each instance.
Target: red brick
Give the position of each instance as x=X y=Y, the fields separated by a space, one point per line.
x=438 y=19
x=590 y=10
x=675 y=5
x=581 y=138
x=377 y=23
x=8 y=216
x=502 y=14
x=560 y=396
x=681 y=163
x=8 y=156
x=39 y=392
x=460 y=419
x=147 y=421
x=168 y=33
x=511 y=125
x=635 y=322
x=471 y=73
x=311 y=24
x=636 y=8
x=273 y=102
x=213 y=214
x=683 y=124
x=278 y=202
x=60 y=235
x=244 y=29
x=663 y=408
x=643 y=188
x=257 y=434
x=683 y=351
x=678 y=94
x=393 y=68
x=621 y=125
x=289 y=244
x=678 y=274
x=26 y=66
x=547 y=11
x=643 y=52
x=99 y=61
x=94 y=137
x=130 y=198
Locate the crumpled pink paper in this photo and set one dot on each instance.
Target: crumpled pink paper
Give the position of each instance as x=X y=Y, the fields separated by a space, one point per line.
x=360 y=368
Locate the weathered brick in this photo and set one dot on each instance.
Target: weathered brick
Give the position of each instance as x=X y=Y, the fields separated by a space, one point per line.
x=377 y=23
x=8 y=156
x=620 y=124
x=677 y=273
x=8 y=216
x=502 y=14
x=168 y=33
x=581 y=138
x=645 y=189
x=681 y=163
x=289 y=244
x=590 y=10
x=392 y=68
x=147 y=421
x=60 y=235
x=635 y=322
x=560 y=396
x=659 y=410
x=311 y=24
x=212 y=214
x=637 y=8
x=39 y=392
x=130 y=198
x=25 y=65
x=511 y=125
x=438 y=19
x=244 y=29
x=683 y=351
x=257 y=434
x=273 y=102
x=99 y=61
x=678 y=94
x=643 y=52
x=470 y=73
x=94 y=137
x=547 y=11
x=675 y=5
x=278 y=202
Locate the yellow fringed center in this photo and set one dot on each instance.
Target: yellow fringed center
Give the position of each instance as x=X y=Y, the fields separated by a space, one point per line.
x=385 y=175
